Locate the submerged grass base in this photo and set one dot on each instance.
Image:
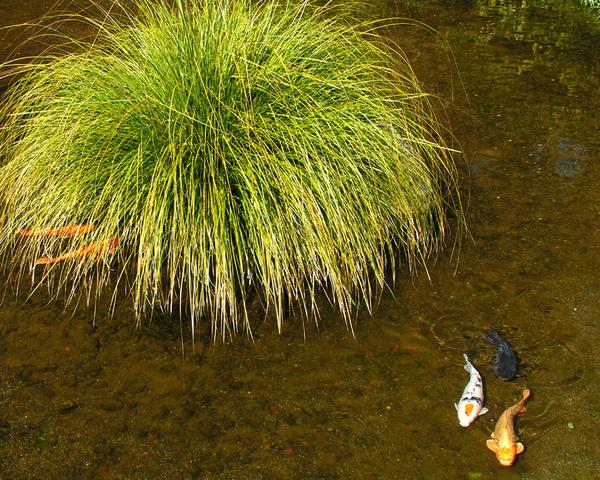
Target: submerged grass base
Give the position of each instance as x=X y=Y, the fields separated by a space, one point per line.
x=222 y=147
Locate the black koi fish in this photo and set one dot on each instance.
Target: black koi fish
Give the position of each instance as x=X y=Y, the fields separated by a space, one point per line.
x=505 y=367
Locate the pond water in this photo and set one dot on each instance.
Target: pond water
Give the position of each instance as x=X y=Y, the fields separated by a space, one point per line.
x=520 y=83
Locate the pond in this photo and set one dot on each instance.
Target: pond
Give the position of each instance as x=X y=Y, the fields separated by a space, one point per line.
x=84 y=396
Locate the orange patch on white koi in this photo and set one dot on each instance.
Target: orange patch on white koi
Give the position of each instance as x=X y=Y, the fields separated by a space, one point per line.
x=468 y=408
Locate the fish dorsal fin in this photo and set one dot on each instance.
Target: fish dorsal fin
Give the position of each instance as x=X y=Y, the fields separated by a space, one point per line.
x=520 y=447
x=492 y=445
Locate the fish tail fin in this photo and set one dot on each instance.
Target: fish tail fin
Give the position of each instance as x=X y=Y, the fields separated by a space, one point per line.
x=467 y=364
x=494 y=337
x=521 y=404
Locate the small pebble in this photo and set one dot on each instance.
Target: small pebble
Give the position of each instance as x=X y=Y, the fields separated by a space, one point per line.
x=571 y=425
x=288 y=450
x=67 y=406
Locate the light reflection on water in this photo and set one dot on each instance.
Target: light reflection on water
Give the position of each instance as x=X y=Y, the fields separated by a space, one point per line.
x=568 y=158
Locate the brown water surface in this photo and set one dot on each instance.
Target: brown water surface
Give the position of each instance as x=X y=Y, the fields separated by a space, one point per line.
x=522 y=83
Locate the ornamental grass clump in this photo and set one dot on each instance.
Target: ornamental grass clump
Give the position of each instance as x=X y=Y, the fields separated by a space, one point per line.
x=594 y=6
x=199 y=152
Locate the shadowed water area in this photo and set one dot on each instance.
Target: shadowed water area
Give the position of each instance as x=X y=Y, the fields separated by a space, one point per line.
x=520 y=82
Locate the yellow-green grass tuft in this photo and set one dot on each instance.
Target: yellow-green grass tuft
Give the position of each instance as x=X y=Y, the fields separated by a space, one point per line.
x=594 y=6
x=229 y=147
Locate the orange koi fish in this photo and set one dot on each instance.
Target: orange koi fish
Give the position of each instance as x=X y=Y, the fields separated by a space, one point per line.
x=504 y=442
x=68 y=231
x=94 y=248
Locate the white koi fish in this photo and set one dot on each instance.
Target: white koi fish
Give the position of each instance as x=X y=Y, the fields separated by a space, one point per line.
x=470 y=405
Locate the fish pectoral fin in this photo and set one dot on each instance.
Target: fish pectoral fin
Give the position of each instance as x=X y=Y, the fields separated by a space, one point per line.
x=484 y=410
x=520 y=447
x=456 y=406
x=492 y=445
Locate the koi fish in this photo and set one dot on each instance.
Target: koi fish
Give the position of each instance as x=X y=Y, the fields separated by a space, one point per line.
x=94 y=248
x=68 y=231
x=505 y=367
x=504 y=442
x=470 y=405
